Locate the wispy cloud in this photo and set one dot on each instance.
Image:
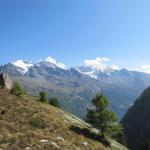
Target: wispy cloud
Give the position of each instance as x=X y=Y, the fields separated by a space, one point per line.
x=144 y=68
x=115 y=67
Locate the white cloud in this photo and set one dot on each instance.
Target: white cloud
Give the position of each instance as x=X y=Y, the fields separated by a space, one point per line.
x=144 y=68
x=100 y=64
x=96 y=63
x=54 y=61
x=115 y=67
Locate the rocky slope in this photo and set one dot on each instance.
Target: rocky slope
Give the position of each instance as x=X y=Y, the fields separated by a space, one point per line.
x=137 y=122
x=27 y=124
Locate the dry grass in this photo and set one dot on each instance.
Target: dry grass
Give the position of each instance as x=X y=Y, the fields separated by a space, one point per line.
x=24 y=122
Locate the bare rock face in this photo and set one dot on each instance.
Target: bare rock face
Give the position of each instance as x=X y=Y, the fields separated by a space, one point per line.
x=5 y=81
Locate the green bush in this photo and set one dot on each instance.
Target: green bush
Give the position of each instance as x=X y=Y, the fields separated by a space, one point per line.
x=54 y=102
x=17 y=89
x=37 y=122
x=43 y=96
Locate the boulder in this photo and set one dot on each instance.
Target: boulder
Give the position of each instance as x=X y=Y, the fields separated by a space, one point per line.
x=5 y=81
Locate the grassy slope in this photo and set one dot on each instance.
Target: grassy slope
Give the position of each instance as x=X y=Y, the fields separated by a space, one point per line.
x=17 y=133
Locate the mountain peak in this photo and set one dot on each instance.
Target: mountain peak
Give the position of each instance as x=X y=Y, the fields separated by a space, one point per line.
x=23 y=66
x=98 y=64
x=53 y=62
x=94 y=67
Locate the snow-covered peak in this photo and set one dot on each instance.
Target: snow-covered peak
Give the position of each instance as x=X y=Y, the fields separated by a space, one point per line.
x=98 y=64
x=23 y=66
x=51 y=62
x=89 y=73
x=94 y=67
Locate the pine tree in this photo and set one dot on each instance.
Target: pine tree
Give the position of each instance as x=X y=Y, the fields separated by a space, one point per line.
x=102 y=118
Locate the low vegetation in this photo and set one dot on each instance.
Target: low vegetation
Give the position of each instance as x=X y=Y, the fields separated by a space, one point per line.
x=37 y=122
x=17 y=89
x=43 y=96
x=54 y=102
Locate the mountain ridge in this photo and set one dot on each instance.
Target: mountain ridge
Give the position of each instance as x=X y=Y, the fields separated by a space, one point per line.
x=98 y=65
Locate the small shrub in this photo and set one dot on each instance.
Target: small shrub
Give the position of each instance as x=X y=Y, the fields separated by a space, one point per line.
x=17 y=89
x=37 y=122
x=13 y=140
x=5 y=140
x=54 y=102
x=43 y=96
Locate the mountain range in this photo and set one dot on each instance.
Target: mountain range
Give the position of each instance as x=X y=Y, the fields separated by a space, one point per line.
x=76 y=86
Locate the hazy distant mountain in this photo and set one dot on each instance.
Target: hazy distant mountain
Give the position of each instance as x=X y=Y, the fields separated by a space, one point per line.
x=76 y=86
x=137 y=122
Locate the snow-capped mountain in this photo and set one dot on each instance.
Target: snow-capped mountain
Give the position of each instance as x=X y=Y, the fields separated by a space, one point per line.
x=91 y=68
x=51 y=62
x=99 y=64
x=23 y=66
x=94 y=72
x=95 y=67
x=87 y=71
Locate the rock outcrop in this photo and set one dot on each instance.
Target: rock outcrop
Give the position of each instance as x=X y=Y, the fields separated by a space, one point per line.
x=5 y=81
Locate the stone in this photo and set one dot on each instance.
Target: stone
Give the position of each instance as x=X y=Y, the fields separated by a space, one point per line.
x=85 y=143
x=5 y=81
x=60 y=139
x=44 y=141
x=55 y=145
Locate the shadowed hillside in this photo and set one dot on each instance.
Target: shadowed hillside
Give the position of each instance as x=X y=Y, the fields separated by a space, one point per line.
x=137 y=123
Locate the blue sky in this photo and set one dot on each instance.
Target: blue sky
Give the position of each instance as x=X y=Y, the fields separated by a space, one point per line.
x=74 y=30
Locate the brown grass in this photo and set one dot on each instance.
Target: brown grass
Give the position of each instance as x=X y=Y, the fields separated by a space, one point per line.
x=24 y=122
